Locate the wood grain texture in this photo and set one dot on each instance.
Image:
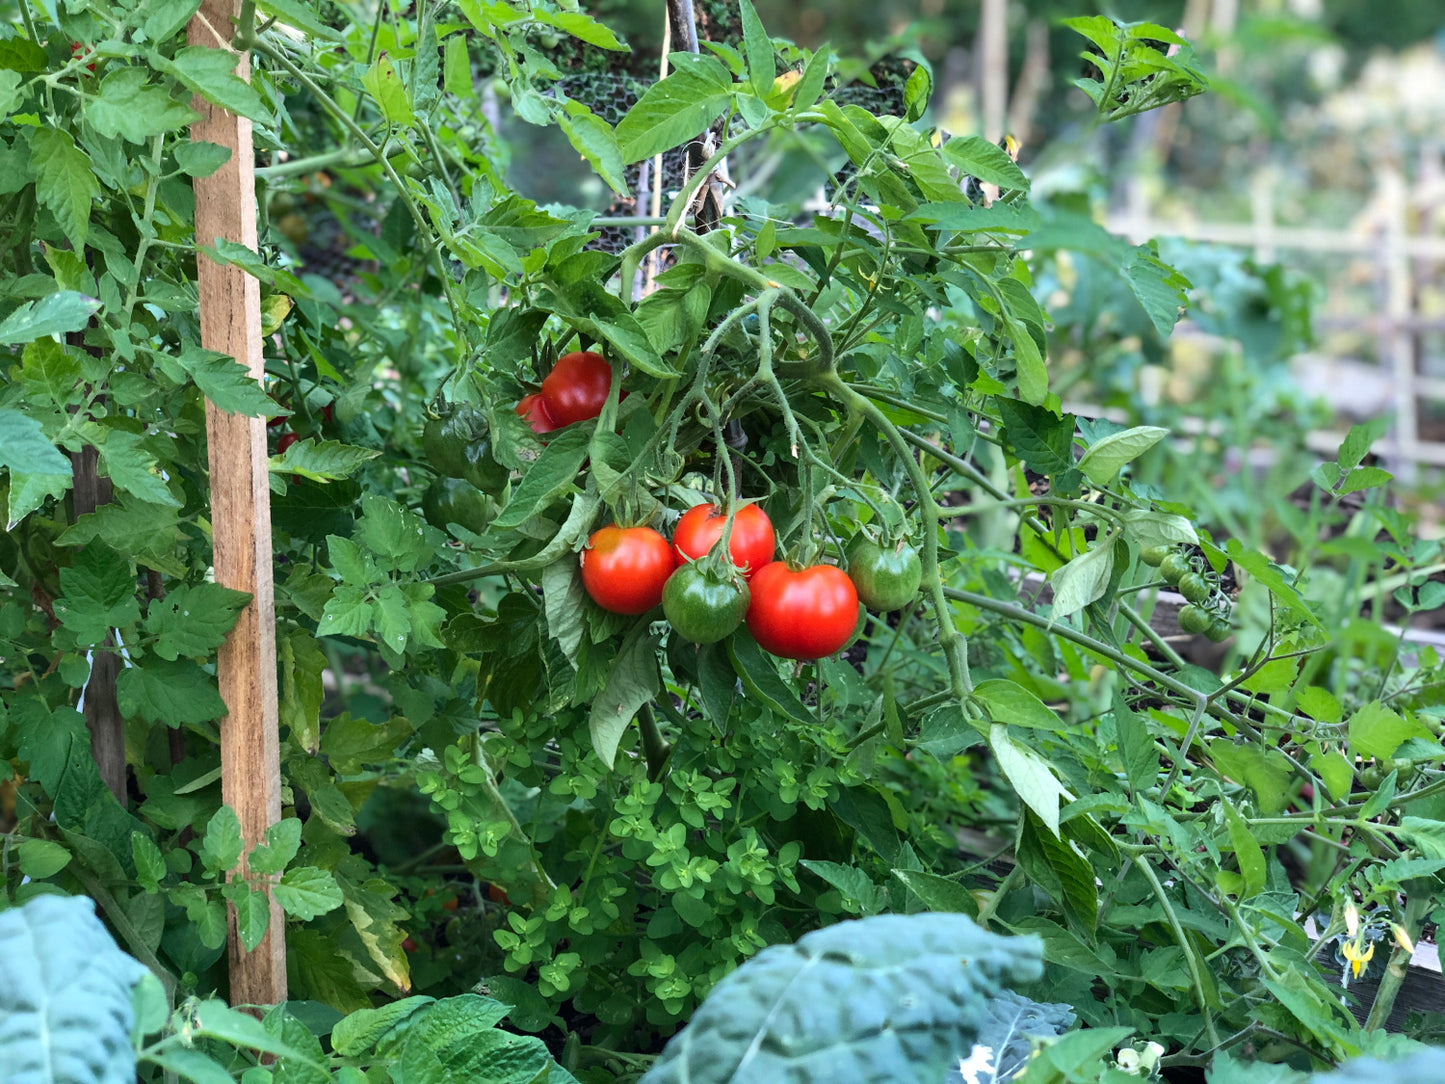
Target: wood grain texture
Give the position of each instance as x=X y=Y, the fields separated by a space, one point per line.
x=240 y=509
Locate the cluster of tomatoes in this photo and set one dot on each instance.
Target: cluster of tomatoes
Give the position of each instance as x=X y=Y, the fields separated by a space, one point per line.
x=793 y=612
x=574 y=390
x=1208 y=610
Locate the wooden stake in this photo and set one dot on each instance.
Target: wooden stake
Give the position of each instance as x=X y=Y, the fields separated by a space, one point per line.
x=240 y=508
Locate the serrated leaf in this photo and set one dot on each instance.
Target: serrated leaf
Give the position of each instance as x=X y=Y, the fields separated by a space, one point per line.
x=9 y=92
x=54 y=314
x=97 y=593
x=307 y=892
x=580 y=26
x=150 y=864
x=1376 y=731
x=396 y=536
x=253 y=915
x=1148 y=528
x=41 y=858
x=1042 y=439
x=132 y=468
x=1105 y=457
x=565 y=603
x=29 y=491
x=302 y=664
x=24 y=448
x=593 y=138
x=283 y=840
x=211 y=73
x=174 y=693
x=985 y=161
x=1030 y=776
x=1160 y=289
x=221 y=843
x=193 y=619
x=675 y=110
x=347 y=613
x=130 y=108
x=1136 y=748
x=321 y=460
x=197 y=158
x=553 y=472
x=758 y=47
x=779 y=1017
x=1082 y=581
x=1246 y=852
x=634 y=680
x=226 y=382
x=384 y=83
x=66 y=184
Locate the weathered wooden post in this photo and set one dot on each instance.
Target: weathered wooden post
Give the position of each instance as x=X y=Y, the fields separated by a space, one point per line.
x=240 y=507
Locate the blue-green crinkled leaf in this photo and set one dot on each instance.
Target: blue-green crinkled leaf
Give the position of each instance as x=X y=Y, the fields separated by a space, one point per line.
x=65 y=995
x=1422 y=1067
x=1009 y=1019
x=893 y=998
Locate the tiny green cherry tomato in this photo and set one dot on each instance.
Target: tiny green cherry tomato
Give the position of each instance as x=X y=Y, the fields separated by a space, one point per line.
x=1194 y=587
x=1174 y=567
x=456 y=445
x=886 y=577
x=1219 y=628
x=1194 y=620
x=451 y=500
x=702 y=604
x=1153 y=556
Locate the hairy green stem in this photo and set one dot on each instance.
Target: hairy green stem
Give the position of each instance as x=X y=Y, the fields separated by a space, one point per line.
x=1191 y=956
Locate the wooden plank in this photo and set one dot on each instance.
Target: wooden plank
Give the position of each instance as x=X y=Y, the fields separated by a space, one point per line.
x=240 y=509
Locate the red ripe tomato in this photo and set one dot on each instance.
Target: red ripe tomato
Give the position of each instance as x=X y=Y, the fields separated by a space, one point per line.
x=803 y=614
x=625 y=568
x=534 y=408
x=284 y=441
x=750 y=547
x=576 y=387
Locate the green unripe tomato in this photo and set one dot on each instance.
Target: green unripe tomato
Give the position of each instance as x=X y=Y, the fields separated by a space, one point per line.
x=456 y=445
x=1195 y=587
x=1174 y=568
x=704 y=604
x=885 y=577
x=451 y=500
x=1219 y=629
x=1195 y=621
x=1153 y=556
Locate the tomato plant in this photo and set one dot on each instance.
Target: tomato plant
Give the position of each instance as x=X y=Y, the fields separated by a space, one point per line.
x=802 y=613
x=880 y=329
x=750 y=546
x=624 y=569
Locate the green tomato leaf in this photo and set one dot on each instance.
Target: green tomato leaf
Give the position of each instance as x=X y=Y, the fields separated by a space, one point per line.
x=130 y=108
x=54 y=314
x=1105 y=457
x=211 y=73
x=1082 y=581
x=221 y=843
x=98 y=593
x=307 y=892
x=174 y=693
x=65 y=183
x=675 y=110
x=1029 y=775
x=633 y=681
